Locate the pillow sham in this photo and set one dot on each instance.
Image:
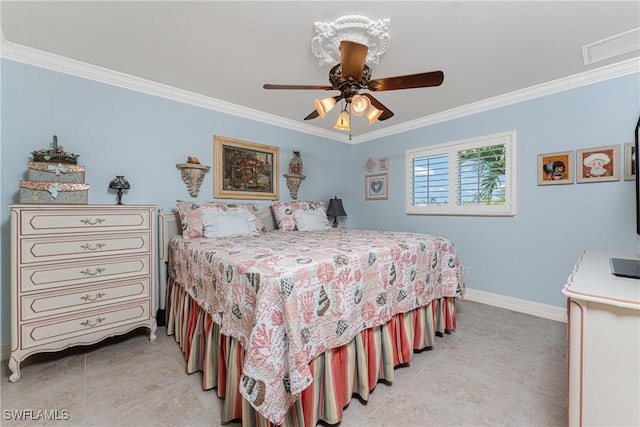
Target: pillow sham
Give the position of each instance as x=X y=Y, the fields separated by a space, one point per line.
x=222 y=225
x=283 y=211
x=310 y=221
x=191 y=215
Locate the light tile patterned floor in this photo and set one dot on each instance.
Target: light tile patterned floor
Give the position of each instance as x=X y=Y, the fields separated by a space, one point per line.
x=500 y=368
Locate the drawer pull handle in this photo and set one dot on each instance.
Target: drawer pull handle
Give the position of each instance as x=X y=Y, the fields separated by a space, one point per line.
x=93 y=323
x=88 y=272
x=88 y=247
x=92 y=298
x=96 y=221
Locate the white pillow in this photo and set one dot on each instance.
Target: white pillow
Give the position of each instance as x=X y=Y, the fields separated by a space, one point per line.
x=221 y=225
x=310 y=220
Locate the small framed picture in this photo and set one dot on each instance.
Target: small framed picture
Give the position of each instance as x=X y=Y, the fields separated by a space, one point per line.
x=383 y=164
x=370 y=165
x=629 y=161
x=555 y=168
x=376 y=187
x=598 y=164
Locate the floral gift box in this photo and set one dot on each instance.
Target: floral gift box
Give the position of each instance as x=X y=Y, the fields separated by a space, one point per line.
x=55 y=172
x=53 y=192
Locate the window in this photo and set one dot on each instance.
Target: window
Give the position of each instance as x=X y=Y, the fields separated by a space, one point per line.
x=470 y=177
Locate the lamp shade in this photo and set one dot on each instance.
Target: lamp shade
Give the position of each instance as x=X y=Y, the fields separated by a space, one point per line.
x=324 y=105
x=359 y=105
x=344 y=122
x=119 y=183
x=372 y=114
x=335 y=208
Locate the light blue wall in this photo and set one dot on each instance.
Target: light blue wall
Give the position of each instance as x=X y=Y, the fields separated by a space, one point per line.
x=528 y=256
x=118 y=131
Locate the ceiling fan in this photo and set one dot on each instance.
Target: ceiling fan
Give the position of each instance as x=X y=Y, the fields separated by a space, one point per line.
x=352 y=75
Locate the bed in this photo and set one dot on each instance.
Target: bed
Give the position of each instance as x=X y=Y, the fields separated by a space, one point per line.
x=288 y=325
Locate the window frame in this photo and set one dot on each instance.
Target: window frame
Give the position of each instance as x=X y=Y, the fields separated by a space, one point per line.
x=451 y=149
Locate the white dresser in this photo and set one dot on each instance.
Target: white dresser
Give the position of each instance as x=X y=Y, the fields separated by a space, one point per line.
x=604 y=343
x=79 y=274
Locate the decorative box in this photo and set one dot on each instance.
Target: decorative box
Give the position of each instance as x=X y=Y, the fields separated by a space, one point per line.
x=52 y=172
x=53 y=192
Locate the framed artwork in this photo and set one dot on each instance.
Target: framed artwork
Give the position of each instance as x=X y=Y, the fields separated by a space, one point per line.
x=629 y=161
x=370 y=165
x=383 y=164
x=376 y=187
x=598 y=164
x=555 y=168
x=245 y=170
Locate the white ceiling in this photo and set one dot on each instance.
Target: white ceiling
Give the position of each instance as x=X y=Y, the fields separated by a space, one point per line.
x=227 y=50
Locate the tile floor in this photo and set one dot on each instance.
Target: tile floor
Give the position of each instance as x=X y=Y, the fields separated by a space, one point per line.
x=500 y=368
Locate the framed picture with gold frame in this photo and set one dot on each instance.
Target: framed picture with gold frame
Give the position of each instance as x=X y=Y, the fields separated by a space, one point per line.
x=555 y=168
x=629 y=161
x=245 y=170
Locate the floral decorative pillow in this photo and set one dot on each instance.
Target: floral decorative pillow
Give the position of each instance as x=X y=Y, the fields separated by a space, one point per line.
x=192 y=215
x=284 y=212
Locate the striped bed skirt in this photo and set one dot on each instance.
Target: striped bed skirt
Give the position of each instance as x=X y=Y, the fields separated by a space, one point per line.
x=338 y=373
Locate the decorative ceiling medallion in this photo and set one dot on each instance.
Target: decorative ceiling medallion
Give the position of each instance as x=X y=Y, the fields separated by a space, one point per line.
x=325 y=44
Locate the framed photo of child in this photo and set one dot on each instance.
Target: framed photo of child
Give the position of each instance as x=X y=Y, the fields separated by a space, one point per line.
x=598 y=164
x=555 y=168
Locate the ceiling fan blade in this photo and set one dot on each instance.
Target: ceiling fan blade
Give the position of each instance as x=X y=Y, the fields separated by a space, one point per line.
x=386 y=113
x=312 y=115
x=411 y=81
x=312 y=87
x=352 y=58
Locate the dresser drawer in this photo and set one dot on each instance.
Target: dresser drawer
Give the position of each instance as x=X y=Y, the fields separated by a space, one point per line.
x=34 y=306
x=87 y=246
x=35 y=334
x=41 y=221
x=59 y=275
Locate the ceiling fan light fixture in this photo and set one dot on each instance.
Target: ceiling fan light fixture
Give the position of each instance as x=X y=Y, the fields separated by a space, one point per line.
x=344 y=121
x=359 y=105
x=323 y=106
x=372 y=114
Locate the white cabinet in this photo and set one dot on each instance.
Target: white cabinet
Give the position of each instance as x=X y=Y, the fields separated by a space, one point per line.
x=604 y=344
x=79 y=274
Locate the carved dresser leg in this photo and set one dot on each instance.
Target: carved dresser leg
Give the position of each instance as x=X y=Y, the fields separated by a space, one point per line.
x=14 y=367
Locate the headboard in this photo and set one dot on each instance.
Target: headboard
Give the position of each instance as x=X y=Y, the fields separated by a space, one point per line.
x=169 y=226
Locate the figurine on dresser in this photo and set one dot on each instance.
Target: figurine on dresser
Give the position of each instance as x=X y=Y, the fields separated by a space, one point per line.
x=54 y=176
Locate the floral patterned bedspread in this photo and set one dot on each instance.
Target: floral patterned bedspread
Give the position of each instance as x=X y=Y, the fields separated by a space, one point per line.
x=289 y=296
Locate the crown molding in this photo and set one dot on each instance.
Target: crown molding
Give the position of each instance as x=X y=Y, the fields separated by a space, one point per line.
x=608 y=72
x=69 y=66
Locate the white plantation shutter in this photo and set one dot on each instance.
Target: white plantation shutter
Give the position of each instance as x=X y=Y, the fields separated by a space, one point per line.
x=430 y=176
x=470 y=177
x=478 y=182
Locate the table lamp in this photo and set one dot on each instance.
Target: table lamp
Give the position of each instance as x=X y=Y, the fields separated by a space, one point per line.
x=335 y=210
x=119 y=183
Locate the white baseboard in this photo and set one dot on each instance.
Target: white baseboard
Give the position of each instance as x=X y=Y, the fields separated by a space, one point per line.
x=546 y=311
x=5 y=351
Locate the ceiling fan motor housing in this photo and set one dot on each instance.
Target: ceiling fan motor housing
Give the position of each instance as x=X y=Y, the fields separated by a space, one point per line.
x=348 y=87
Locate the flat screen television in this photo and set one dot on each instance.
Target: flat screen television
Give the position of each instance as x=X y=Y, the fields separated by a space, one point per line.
x=628 y=267
x=636 y=170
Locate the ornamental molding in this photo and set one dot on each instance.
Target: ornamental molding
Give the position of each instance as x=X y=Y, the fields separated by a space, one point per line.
x=325 y=44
